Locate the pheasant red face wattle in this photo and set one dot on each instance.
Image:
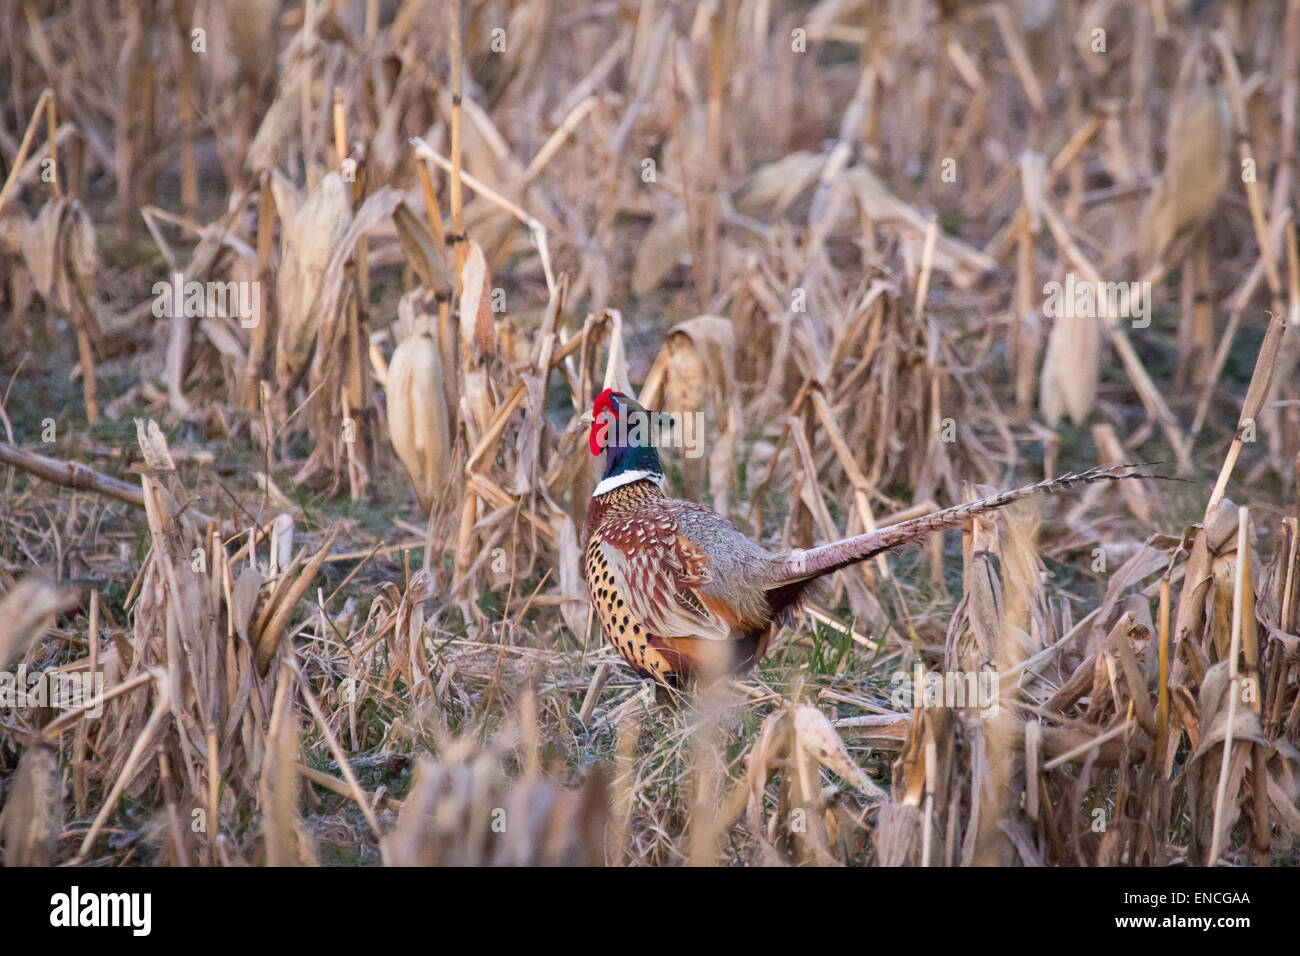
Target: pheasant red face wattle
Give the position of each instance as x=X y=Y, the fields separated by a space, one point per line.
x=602 y=413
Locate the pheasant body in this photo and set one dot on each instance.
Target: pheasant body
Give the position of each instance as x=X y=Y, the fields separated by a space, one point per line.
x=665 y=576
x=679 y=591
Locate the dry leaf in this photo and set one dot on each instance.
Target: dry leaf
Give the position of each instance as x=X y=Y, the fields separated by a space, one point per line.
x=33 y=814
x=26 y=612
x=41 y=245
x=662 y=247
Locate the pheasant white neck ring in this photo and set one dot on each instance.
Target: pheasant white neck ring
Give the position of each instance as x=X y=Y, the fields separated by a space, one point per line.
x=619 y=479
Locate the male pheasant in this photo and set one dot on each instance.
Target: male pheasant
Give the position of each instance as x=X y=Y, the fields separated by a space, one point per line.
x=680 y=592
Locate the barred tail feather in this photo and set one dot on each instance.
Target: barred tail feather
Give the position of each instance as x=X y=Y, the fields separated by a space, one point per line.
x=805 y=565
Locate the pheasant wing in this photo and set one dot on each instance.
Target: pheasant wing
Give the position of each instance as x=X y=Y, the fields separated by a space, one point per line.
x=659 y=572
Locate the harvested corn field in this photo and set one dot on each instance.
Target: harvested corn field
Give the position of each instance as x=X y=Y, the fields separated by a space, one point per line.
x=324 y=540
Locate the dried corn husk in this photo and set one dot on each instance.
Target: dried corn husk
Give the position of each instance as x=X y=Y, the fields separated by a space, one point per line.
x=698 y=366
x=1197 y=163
x=477 y=332
x=418 y=422
x=1070 y=369
x=81 y=260
x=477 y=342
x=309 y=241
x=816 y=737
x=253 y=36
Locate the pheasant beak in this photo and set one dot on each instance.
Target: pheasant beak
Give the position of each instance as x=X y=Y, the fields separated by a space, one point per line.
x=587 y=418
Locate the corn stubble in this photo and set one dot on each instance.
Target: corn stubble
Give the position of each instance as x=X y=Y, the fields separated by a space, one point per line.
x=443 y=234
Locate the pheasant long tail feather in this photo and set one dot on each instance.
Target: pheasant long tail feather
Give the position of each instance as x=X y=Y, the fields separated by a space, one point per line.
x=815 y=562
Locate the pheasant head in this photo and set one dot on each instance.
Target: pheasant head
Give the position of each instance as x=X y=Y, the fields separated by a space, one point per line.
x=625 y=432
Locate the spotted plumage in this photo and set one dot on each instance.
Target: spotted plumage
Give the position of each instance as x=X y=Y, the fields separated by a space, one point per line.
x=679 y=592
x=653 y=587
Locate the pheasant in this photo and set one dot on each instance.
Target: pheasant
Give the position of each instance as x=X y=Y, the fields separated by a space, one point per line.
x=679 y=592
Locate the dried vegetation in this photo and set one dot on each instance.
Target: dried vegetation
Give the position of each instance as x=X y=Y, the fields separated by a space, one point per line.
x=327 y=560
